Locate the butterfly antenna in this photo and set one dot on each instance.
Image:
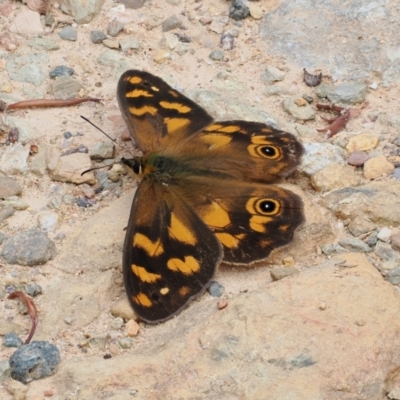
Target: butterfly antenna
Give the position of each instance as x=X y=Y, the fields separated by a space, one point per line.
x=103 y=166
x=91 y=123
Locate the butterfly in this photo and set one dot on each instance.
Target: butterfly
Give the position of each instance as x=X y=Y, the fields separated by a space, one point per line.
x=205 y=195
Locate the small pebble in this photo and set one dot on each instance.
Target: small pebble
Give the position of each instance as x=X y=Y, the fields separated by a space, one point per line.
x=68 y=320
x=61 y=70
x=97 y=37
x=131 y=328
x=222 y=304
x=279 y=273
x=123 y=309
x=68 y=33
x=216 y=289
x=217 y=55
x=33 y=289
x=288 y=261
x=238 y=10
x=372 y=239
x=171 y=23
x=125 y=343
x=356 y=245
x=393 y=276
x=357 y=158
x=385 y=234
x=12 y=340
x=114 y=27
x=395 y=241
x=117 y=323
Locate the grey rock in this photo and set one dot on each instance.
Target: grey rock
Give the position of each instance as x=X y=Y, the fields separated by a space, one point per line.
x=33 y=289
x=393 y=276
x=348 y=93
x=114 y=27
x=304 y=112
x=129 y=44
x=9 y=187
x=28 y=68
x=65 y=87
x=33 y=361
x=279 y=273
x=6 y=212
x=68 y=33
x=61 y=70
x=323 y=89
x=386 y=253
x=12 y=340
x=2 y=237
x=216 y=289
x=171 y=23
x=5 y=370
x=359 y=226
x=238 y=10
x=355 y=245
x=396 y=173
x=318 y=156
x=32 y=247
x=372 y=239
x=396 y=140
x=117 y=323
x=97 y=37
x=133 y=4
x=272 y=74
x=82 y=11
x=125 y=343
x=49 y=19
x=217 y=55
x=43 y=43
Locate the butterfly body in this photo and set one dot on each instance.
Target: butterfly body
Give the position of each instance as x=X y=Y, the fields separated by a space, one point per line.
x=205 y=195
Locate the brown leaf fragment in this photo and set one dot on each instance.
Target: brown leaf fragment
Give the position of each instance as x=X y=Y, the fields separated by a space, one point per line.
x=49 y=103
x=312 y=80
x=337 y=125
x=32 y=310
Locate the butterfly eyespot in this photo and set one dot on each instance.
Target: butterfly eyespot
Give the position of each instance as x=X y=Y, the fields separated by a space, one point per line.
x=263 y=206
x=264 y=151
x=268 y=206
x=268 y=151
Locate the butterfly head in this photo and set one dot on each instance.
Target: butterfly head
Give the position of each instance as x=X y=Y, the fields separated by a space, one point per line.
x=135 y=164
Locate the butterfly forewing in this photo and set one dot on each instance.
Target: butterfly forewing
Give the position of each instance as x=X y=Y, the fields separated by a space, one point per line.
x=156 y=114
x=170 y=255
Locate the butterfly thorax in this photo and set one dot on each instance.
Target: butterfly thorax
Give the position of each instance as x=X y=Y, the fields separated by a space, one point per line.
x=159 y=168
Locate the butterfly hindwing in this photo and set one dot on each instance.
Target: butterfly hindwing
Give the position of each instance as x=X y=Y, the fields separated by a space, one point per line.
x=156 y=114
x=250 y=220
x=170 y=255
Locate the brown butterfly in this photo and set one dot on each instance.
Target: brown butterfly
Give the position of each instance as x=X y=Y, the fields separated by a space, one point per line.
x=205 y=195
